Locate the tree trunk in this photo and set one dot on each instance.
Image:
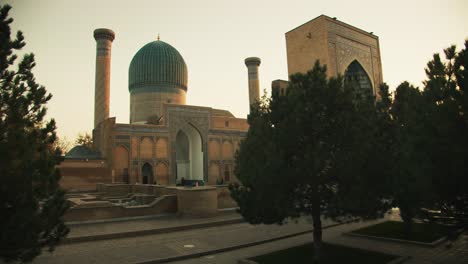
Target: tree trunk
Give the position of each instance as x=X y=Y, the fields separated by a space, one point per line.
x=317 y=223
x=407 y=216
x=408 y=229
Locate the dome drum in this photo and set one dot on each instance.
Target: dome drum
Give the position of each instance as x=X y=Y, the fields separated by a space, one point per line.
x=157 y=75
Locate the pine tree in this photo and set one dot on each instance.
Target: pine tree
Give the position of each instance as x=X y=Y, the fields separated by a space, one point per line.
x=430 y=146
x=31 y=201
x=314 y=151
x=447 y=100
x=412 y=187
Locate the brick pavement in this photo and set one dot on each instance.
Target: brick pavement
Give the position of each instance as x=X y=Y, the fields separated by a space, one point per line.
x=456 y=253
x=231 y=257
x=149 y=225
x=150 y=247
x=144 y=249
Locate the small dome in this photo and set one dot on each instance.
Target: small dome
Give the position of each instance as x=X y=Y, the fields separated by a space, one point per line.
x=157 y=67
x=82 y=152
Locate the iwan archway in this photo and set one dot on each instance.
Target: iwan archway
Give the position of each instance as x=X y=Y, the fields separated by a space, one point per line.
x=355 y=73
x=147 y=174
x=189 y=154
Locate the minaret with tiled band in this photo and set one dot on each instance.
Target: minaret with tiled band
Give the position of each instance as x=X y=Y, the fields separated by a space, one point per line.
x=104 y=38
x=252 y=64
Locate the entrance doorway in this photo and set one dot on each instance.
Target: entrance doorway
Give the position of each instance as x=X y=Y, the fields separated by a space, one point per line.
x=189 y=154
x=147 y=173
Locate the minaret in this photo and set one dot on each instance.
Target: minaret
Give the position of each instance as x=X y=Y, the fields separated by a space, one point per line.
x=252 y=64
x=104 y=38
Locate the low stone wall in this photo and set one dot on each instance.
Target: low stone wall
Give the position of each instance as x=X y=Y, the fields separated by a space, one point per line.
x=100 y=187
x=143 y=188
x=224 y=197
x=144 y=198
x=114 y=189
x=165 y=190
x=164 y=204
x=203 y=201
x=223 y=193
x=198 y=201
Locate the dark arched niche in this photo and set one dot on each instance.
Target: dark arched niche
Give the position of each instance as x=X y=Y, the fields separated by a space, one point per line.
x=147 y=174
x=355 y=73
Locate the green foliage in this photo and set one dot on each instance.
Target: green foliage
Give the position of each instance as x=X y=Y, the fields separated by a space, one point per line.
x=410 y=151
x=63 y=144
x=270 y=205
x=447 y=103
x=322 y=139
x=31 y=202
x=430 y=150
x=317 y=150
x=326 y=148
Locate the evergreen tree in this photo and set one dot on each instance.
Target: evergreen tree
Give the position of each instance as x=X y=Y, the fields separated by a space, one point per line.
x=63 y=144
x=31 y=202
x=313 y=151
x=430 y=147
x=445 y=94
x=412 y=188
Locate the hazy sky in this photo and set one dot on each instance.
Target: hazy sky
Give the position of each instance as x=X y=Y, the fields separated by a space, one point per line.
x=214 y=37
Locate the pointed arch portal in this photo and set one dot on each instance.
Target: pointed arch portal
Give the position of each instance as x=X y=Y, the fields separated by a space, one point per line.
x=147 y=173
x=189 y=154
x=356 y=73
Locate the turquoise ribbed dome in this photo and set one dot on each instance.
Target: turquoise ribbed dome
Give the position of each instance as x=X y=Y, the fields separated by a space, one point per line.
x=157 y=67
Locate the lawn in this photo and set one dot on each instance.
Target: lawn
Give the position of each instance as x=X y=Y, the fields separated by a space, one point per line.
x=422 y=232
x=331 y=254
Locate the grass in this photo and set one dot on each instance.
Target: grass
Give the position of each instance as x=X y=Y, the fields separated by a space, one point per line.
x=331 y=254
x=422 y=232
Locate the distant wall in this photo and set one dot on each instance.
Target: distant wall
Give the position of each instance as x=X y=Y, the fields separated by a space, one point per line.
x=82 y=175
x=165 y=204
x=123 y=189
x=229 y=123
x=224 y=197
x=199 y=202
x=163 y=190
x=144 y=188
x=114 y=189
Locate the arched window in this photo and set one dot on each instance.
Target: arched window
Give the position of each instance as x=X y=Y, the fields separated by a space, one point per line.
x=147 y=174
x=356 y=74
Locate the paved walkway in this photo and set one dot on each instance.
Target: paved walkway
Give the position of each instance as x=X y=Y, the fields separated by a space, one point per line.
x=457 y=253
x=167 y=245
x=231 y=257
x=157 y=248
x=151 y=225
